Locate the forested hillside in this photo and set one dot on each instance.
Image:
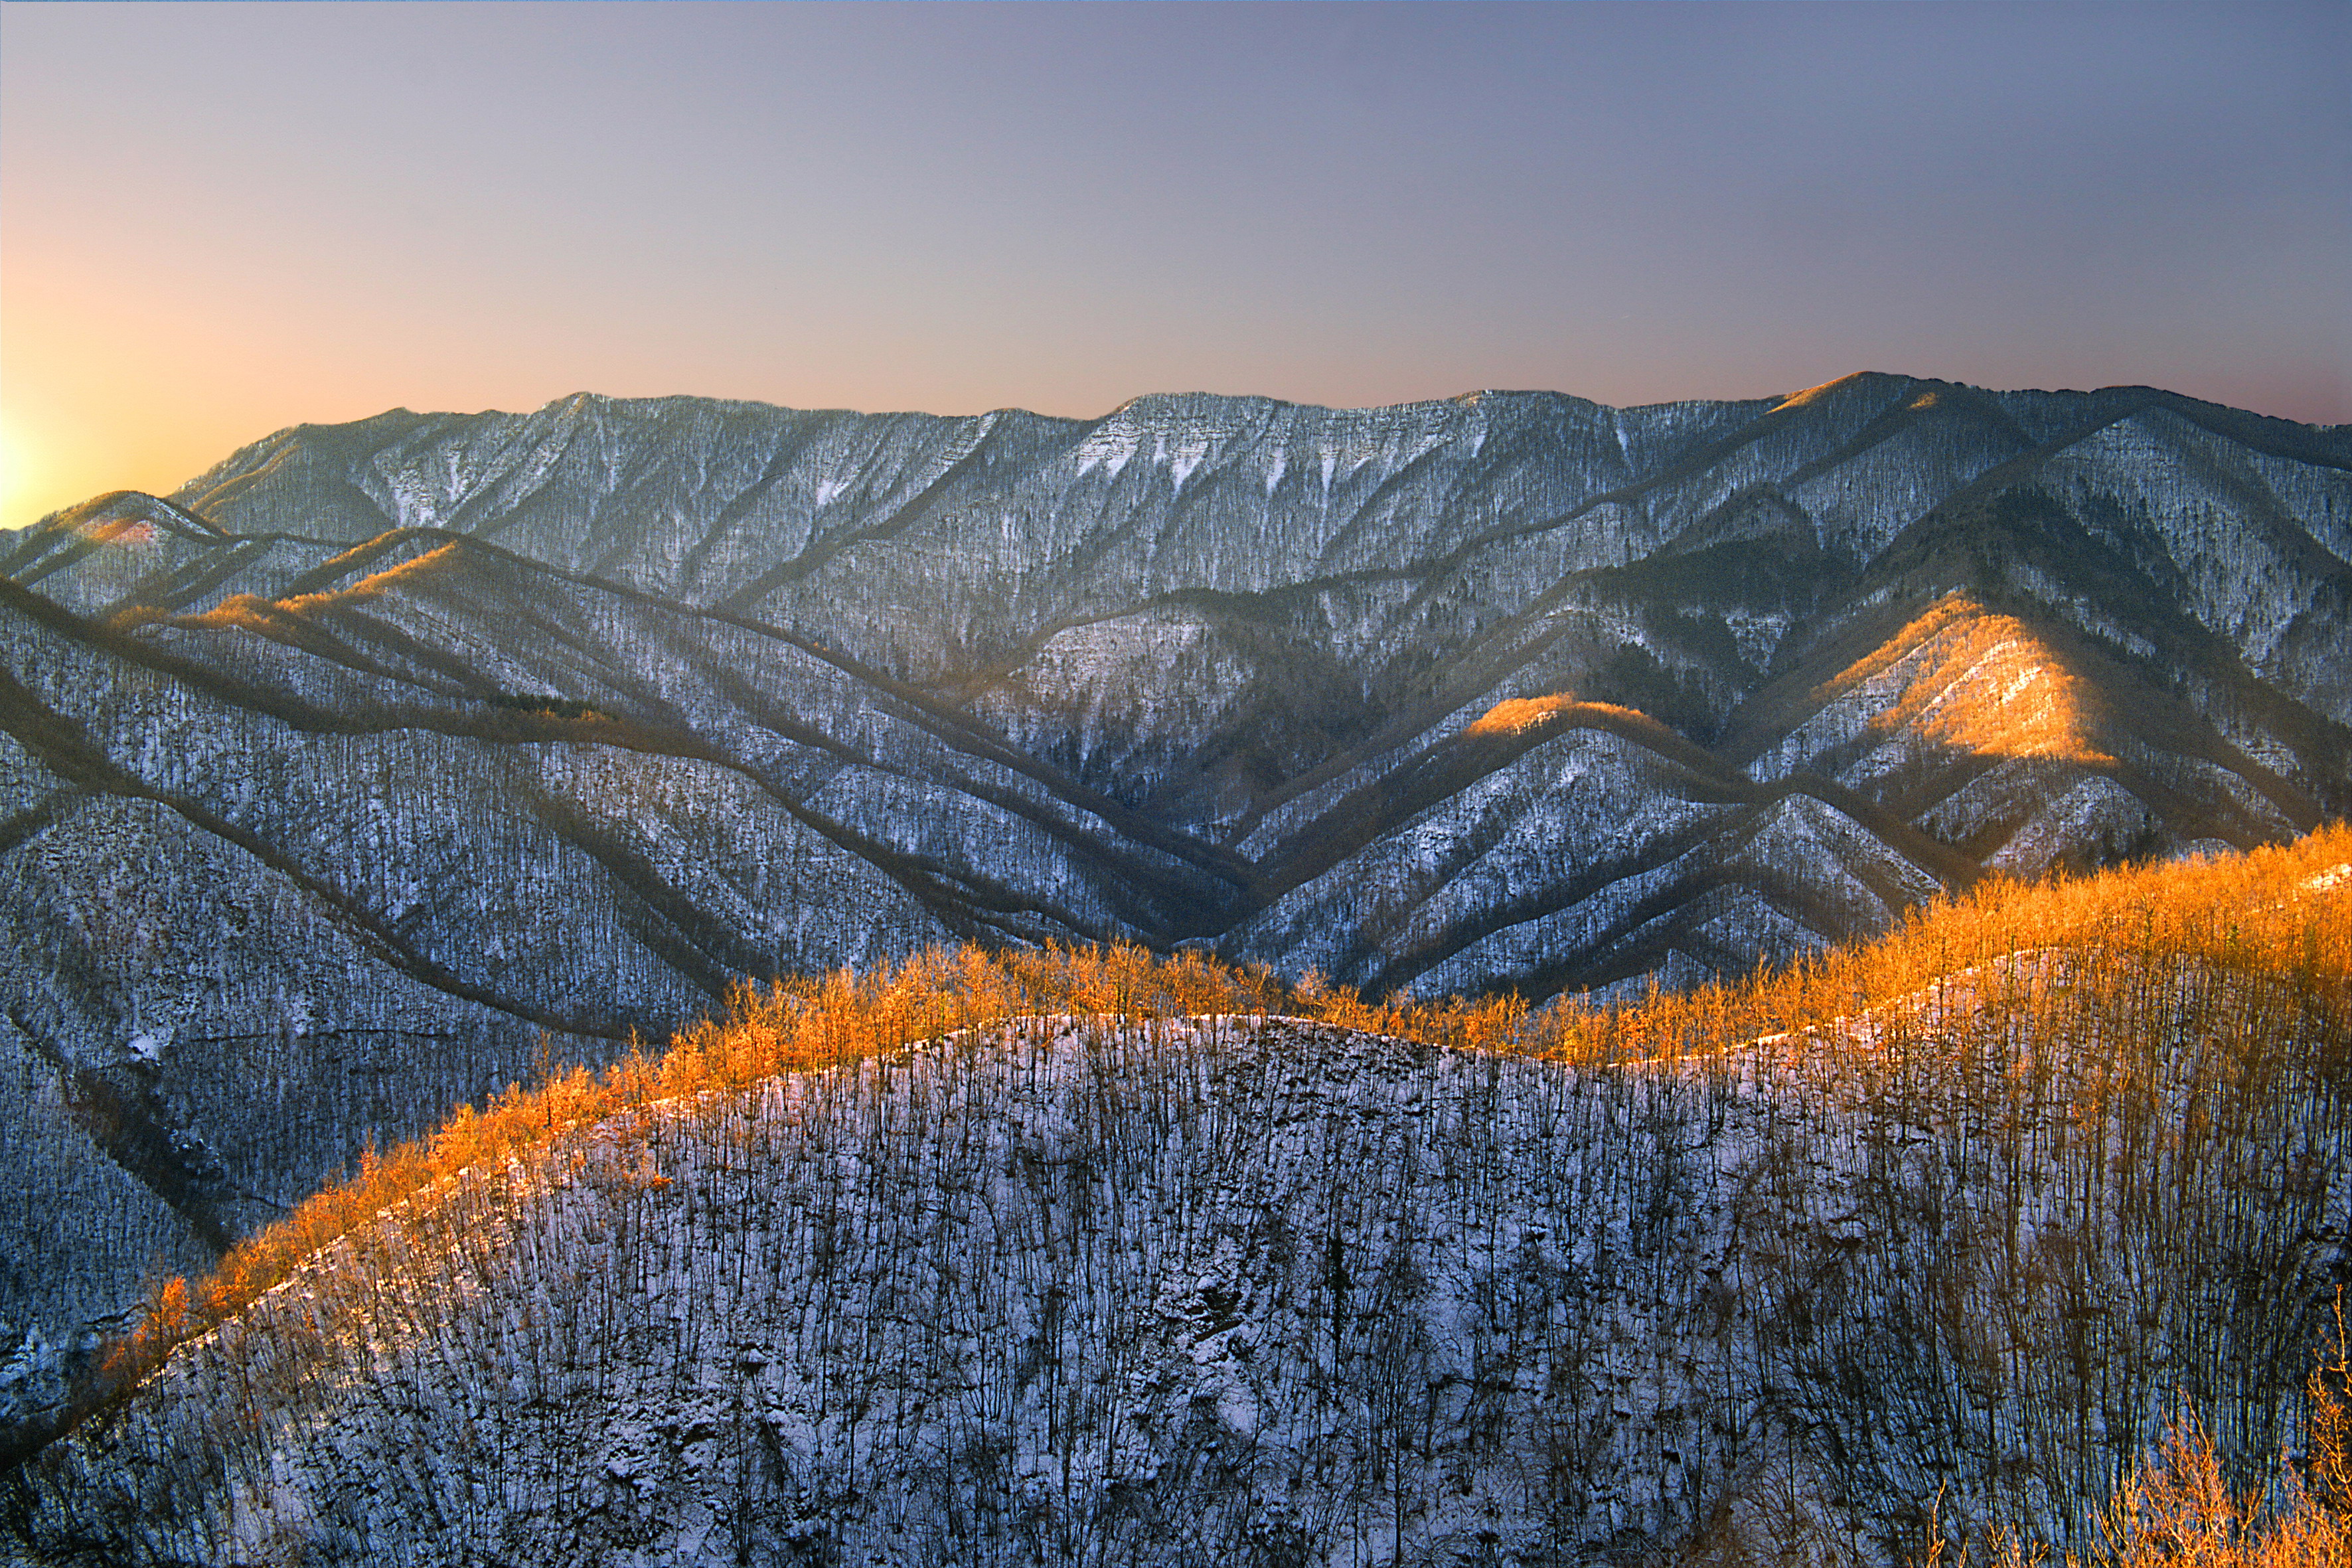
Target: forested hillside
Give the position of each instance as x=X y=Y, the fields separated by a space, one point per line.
x=1082 y=1256
x=341 y=783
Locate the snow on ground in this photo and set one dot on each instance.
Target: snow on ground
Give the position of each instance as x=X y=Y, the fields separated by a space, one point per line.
x=1253 y=1291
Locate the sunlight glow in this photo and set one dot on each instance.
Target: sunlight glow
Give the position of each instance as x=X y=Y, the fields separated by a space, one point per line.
x=19 y=477
x=1514 y=714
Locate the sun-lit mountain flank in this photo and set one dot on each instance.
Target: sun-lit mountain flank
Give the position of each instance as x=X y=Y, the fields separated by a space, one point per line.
x=1074 y=1256
x=386 y=760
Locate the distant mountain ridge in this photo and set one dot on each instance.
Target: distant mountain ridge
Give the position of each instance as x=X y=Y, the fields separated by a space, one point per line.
x=337 y=778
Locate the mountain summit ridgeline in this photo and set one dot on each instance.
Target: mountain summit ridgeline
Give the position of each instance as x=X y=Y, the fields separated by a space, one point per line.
x=387 y=757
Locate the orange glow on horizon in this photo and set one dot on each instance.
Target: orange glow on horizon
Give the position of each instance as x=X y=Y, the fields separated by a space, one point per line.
x=20 y=479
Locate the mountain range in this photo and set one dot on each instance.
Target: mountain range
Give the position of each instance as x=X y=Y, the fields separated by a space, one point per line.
x=388 y=763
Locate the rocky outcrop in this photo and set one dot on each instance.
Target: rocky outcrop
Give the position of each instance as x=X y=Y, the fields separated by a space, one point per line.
x=386 y=757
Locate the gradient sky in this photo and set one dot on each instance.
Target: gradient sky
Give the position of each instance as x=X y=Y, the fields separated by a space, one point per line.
x=216 y=220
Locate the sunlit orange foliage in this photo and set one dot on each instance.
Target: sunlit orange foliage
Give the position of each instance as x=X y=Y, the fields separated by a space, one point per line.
x=2284 y=913
x=1814 y=394
x=1984 y=683
x=2177 y=1511
x=1517 y=713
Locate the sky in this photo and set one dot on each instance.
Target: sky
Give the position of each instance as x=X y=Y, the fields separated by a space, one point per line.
x=220 y=219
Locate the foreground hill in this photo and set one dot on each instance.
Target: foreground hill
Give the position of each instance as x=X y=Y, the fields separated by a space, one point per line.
x=340 y=783
x=1964 y=1230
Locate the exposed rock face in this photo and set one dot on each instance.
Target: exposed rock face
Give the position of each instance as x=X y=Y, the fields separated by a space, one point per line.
x=333 y=784
x=1252 y=1291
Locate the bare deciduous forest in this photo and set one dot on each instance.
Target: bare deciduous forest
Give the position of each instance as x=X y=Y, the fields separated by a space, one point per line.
x=2014 y=1231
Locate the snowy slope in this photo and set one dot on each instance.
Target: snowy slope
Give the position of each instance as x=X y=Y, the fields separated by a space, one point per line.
x=352 y=770
x=1243 y=1291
